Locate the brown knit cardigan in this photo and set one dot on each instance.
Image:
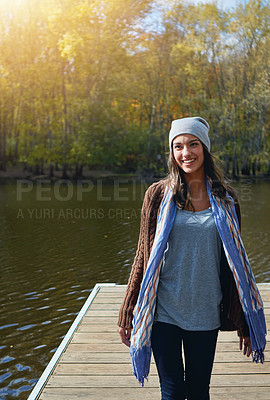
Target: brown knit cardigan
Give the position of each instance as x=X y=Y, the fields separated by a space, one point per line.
x=231 y=313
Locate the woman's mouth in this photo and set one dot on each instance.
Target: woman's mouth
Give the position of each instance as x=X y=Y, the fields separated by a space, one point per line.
x=188 y=162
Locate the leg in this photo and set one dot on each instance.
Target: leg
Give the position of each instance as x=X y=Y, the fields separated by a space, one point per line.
x=199 y=349
x=167 y=349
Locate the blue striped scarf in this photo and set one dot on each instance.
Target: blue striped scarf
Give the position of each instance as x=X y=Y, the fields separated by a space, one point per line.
x=250 y=299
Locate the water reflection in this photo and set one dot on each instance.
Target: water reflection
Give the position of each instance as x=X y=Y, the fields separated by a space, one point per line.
x=255 y=210
x=53 y=251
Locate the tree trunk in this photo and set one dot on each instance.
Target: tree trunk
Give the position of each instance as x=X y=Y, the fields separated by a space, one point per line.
x=64 y=172
x=64 y=96
x=245 y=168
x=254 y=167
x=51 y=171
x=81 y=170
x=3 y=142
x=37 y=170
x=234 y=167
x=76 y=173
x=150 y=137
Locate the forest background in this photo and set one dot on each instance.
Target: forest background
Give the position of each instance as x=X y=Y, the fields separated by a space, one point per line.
x=94 y=84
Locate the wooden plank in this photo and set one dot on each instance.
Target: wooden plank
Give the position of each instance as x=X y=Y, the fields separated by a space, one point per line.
x=100 y=320
x=99 y=338
x=124 y=357
x=239 y=393
x=108 y=306
x=111 y=289
x=130 y=381
x=264 y=285
x=102 y=313
x=126 y=369
x=98 y=381
x=101 y=393
x=105 y=327
x=120 y=348
x=217 y=393
x=97 y=328
x=115 y=313
x=113 y=337
x=116 y=300
x=107 y=299
x=113 y=320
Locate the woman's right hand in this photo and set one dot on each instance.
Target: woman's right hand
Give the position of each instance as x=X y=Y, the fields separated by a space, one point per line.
x=125 y=334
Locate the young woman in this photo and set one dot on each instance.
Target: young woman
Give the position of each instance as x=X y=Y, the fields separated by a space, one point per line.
x=190 y=276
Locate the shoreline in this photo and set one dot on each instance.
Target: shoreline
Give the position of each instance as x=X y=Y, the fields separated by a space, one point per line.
x=95 y=175
x=17 y=174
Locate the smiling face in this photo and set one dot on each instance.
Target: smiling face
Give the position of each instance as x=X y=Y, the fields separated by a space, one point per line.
x=188 y=153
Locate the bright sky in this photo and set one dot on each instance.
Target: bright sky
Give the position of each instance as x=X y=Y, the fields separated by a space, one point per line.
x=225 y=4
x=222 y=3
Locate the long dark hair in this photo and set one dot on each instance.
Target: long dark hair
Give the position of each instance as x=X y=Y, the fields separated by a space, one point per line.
x=181 y=189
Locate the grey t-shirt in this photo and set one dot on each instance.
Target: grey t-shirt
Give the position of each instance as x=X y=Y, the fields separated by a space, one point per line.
x=189 y=290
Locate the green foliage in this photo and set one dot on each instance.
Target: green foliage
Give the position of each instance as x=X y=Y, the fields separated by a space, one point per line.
x=90 y=83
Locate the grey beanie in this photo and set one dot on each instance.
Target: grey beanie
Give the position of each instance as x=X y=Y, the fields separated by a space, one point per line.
x=196 y=126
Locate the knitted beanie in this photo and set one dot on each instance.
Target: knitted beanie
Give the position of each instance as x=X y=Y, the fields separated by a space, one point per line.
x=196 y=126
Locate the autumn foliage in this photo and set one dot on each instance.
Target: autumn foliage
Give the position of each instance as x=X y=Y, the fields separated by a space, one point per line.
x=95 y=83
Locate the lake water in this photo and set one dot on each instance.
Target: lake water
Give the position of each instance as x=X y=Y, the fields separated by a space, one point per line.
x=58 y=240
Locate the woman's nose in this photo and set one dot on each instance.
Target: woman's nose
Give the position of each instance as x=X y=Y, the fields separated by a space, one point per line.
x=185 y=151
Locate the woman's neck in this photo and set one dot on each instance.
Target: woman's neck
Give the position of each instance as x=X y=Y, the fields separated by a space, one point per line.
x=196 y=183
x=198 y=192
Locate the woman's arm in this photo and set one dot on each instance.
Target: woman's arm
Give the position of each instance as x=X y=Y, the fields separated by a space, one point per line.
x=147 y=231
x=135 y=278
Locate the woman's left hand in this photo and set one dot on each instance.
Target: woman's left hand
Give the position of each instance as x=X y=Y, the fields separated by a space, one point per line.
x=247 y=350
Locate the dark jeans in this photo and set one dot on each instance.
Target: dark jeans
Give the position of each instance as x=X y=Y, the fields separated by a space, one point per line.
x=176 y=381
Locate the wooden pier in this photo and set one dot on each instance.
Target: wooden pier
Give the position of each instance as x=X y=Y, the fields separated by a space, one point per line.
x=92 y=363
